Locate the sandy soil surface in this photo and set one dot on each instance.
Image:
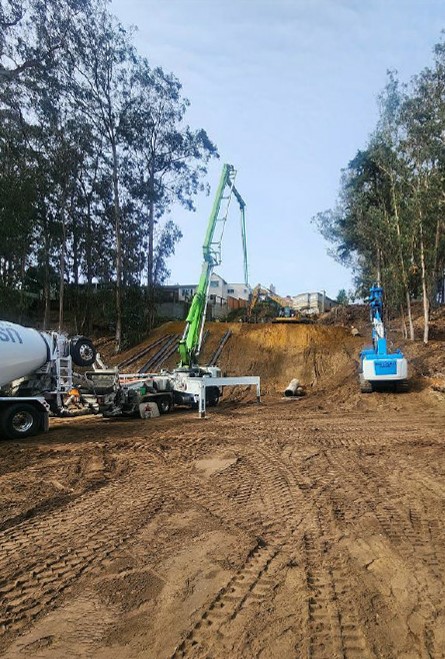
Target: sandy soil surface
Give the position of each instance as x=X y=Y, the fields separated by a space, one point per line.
x=294 y=528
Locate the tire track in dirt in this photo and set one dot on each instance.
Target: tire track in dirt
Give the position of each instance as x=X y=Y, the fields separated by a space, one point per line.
x=426 y=552
x=225 y=606
x=355 y=437
x=344 y=618
x=46 y=557
x=367 y=491
x=332 y=631
x=334 y=625
x=324 y=632
x=401 y=516
x=256 y=578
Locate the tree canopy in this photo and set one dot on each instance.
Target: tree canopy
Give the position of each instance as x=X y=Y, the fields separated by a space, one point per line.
x=388 y=224
x=95 y=152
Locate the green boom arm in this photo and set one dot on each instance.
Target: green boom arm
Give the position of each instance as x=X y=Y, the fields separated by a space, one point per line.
x=190 y=344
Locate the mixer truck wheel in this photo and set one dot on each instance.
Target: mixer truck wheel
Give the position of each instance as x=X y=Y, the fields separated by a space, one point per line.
x=82 y=351
x=20 y=420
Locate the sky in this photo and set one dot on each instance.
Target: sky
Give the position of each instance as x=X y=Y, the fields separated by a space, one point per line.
x=287 y=89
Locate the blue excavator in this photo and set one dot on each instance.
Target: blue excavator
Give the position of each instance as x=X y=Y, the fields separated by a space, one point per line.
x=380 y=369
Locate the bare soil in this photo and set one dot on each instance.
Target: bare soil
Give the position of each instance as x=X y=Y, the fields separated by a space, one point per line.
x=295 y=528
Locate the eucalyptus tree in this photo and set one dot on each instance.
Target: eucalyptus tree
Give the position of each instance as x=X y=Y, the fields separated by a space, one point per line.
x=371 y=226
x=100 y=82
x=170 y=159
x=424 y=150
x=388 y=155
x=17 y=204
x=35 y=34
x=357 y=227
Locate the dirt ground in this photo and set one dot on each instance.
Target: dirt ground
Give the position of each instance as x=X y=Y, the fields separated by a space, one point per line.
x=294 y=528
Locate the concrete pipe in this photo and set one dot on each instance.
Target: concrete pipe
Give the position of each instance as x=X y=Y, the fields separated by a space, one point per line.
x=291 y=389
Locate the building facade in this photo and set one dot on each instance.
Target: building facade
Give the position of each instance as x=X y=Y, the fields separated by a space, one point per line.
x=312 y=303
x=223 y=297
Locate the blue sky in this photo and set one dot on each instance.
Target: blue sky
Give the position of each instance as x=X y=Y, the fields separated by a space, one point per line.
x=287 y=90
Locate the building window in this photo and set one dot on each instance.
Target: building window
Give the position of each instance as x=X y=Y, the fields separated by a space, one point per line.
x=214 y=284
x=230 y=290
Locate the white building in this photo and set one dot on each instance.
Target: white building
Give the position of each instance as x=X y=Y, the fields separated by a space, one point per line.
x=312 y=303
x=223 y=297
x=239 y=291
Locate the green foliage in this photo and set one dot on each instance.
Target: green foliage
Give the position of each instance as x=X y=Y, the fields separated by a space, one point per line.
x=94 y=154
x=342 y=297
x=388 y=223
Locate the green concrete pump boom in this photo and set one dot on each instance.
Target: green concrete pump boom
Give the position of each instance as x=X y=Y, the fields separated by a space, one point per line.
x=190 y=344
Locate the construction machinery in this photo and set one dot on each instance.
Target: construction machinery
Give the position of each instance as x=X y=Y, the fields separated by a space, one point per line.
x=36 y=376
x=189 y=384
x=282 y=305
x=191 y=341
x=190 y=344
x=378 y=368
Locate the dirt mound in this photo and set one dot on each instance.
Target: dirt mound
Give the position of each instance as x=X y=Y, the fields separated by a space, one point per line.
x=323 y=356
x=276 y=352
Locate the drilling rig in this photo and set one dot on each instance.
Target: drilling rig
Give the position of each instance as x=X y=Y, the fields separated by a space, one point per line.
x=380 y=369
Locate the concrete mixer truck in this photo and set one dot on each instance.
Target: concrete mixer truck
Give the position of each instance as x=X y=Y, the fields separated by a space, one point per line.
x=36 y=375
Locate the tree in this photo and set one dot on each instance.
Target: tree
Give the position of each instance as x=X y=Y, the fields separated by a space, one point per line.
x=34 y=34
x=170 y=159
x=102 y=71
x=342 y=297
x=86 y=184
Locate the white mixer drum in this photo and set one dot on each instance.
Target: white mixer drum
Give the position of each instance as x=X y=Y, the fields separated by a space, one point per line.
x=22 y=351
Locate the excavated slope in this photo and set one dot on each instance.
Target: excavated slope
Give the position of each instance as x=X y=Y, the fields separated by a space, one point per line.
x=276 y=352
x=324 y=358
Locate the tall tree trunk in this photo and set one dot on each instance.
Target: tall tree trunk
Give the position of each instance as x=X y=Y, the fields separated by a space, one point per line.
x=150 y=254
x=46 y=282
x=378 y=266
x=436 y=268
x=75 y=234
x=22 y=280
x=425 y=297
x=403 y=322
x=118 y=238
x=62 y=271
x=46 y=297
x=402 y=262
x=87 y=324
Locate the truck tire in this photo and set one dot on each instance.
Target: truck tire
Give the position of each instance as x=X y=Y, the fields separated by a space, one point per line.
x=20 y=420
x=82 y=351
x=164 y=403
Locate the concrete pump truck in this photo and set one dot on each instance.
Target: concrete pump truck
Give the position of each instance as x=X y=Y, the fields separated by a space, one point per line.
x=185 y=384
x=189 y=384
